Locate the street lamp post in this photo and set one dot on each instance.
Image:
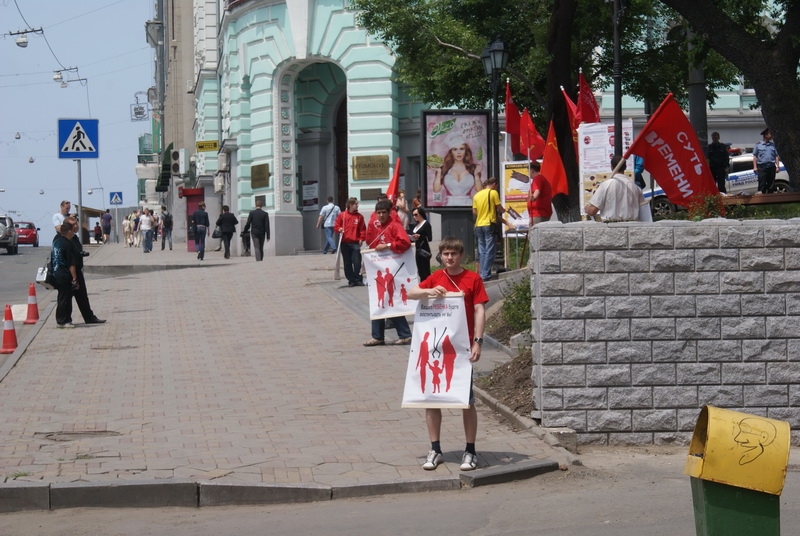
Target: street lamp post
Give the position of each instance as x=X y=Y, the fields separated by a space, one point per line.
x=495 y=59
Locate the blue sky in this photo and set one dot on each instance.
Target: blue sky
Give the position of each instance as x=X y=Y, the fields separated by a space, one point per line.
x=105 y=40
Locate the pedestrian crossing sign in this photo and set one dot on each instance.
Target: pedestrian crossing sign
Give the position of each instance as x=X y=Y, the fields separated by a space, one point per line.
x=77 y=138
x=115 y=198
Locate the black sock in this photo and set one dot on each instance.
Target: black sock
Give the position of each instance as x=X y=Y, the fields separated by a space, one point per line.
x=470 y=448
x=436 y=447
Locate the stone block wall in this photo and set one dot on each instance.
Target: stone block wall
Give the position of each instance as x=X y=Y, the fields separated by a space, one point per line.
x=637 y=326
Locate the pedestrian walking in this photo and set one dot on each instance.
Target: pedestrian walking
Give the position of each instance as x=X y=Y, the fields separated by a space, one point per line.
x=166 y=228
x=201 y=229
x=227 y=225
x=258 y=225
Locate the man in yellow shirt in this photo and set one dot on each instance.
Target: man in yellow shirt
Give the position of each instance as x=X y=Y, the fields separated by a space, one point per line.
x=486 y=208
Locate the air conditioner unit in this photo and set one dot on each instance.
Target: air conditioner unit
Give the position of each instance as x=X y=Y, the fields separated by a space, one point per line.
x=222 y=162
x=219 y=183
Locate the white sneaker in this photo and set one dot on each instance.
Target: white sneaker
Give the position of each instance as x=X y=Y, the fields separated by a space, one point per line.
x=469 y=461
x=432 y=461
x=68 y=325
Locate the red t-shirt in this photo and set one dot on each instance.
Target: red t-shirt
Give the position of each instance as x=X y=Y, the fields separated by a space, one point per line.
x=467 y=282
x=541 y=207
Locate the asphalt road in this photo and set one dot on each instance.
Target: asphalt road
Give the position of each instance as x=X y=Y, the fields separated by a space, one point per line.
x=619 y=492
x=18 y=272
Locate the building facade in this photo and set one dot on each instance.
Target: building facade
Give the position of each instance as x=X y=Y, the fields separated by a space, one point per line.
x=304 y=106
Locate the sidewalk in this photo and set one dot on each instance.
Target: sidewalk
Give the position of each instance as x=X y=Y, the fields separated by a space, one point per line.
x=226 y=382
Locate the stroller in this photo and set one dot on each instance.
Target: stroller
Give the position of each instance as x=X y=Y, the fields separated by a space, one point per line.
x=245 y=244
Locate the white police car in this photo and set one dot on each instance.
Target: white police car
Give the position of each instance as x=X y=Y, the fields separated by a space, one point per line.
x=741 y=180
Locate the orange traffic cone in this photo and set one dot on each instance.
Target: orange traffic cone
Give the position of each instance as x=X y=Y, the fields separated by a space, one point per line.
x=9 y=334
x=33 y=307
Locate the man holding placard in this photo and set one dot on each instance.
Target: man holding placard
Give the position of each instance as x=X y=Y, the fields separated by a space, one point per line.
x=454 y=279
x=385 y=233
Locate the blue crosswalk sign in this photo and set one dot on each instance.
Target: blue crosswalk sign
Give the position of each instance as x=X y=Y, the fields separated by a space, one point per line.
x=78 y=138
x=115 y=198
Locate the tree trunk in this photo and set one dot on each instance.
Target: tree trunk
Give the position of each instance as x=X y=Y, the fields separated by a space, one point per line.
x=559 y=71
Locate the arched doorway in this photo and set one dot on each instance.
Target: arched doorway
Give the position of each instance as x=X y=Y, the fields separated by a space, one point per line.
x=321 y=119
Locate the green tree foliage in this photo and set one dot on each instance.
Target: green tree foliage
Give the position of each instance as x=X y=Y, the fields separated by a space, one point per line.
x=438 y=44
x=762 y=39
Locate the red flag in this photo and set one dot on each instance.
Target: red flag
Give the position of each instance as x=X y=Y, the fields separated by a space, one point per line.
x=532 y=143
x=572 y=111
x=552 y=165
x=512 y=120
x=394 y=184
x=673 y=155
x=588 y=109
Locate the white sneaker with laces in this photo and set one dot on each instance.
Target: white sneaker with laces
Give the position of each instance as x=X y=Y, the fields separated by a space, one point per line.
x=432 y=461
x=469 y=461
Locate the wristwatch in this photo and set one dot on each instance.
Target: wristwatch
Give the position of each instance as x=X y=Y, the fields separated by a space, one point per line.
x=479 y=340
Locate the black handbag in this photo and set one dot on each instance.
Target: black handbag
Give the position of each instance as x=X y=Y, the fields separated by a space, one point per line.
x=217 y=232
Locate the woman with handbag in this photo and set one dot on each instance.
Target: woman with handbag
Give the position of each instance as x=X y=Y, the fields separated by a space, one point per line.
x=226 y=223
x=422 y=234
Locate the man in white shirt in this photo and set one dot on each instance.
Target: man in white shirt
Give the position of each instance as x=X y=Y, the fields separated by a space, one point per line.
x=617 y=198
x=58 y=217
x=327 y=216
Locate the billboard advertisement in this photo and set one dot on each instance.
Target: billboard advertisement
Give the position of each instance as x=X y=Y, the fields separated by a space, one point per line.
x=456 y=156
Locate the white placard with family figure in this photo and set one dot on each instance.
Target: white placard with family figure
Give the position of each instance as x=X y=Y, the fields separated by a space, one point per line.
x=439 y=371
x=389 y=277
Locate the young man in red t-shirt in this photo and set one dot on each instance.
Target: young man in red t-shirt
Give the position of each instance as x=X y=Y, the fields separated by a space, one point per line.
x=455 y=278
x=540 y=200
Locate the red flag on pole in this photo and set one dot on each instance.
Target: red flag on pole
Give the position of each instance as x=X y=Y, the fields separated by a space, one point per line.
x=532 y=143
x=512 y=120
x=673 y=155
x=588 y=110
x=553 y=166
x=394 y=184
x=572 y=111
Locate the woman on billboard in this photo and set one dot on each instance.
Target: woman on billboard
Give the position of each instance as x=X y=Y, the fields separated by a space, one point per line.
x=458 y=176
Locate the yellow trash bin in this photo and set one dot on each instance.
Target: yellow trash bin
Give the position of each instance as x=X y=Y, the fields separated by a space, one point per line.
x=737 y=462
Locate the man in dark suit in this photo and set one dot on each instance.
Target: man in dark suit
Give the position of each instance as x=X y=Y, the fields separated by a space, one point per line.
x=227 y=225
x=258 y=225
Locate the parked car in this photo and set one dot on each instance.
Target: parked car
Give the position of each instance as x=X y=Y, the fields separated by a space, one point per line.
x=741 y=180
x=8 y=235
x=27 y=233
